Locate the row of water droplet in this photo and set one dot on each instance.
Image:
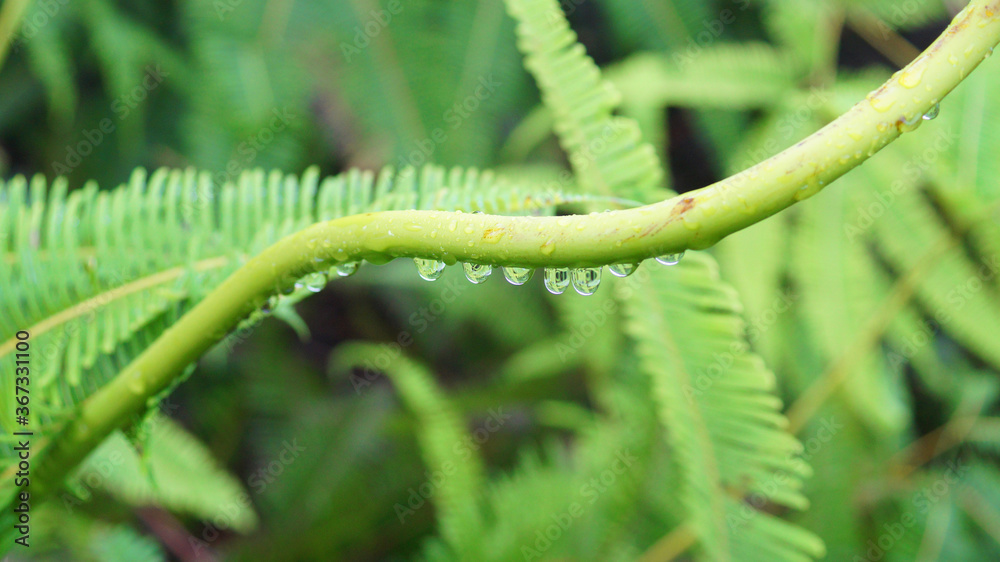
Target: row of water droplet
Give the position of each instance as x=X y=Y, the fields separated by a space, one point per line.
x=557 y=280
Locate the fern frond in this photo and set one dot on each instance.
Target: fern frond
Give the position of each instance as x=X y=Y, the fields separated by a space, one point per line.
x=827 y=267
x=724 y=426
x=455 y=472
x=701 y=436
x=805 y=30
x=966 y=172
x=95 y=276
x=648 y=25
x=66 y=535
x=958 y=293
x=607 y=153
x=740 y=76
x=174 y=471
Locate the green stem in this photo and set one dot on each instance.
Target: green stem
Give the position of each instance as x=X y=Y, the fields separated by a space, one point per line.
x=694 y=220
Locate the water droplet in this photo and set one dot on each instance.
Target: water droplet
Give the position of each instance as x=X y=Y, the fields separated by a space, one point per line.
x=477 y=273
x=136 y=383
x=586 y=280
x=880 y=103
x=429 y=270
x=518 y=275
x=623 y=269
x=912 y=76
x=908 y=124
x=548 y=247
x=347 y=268
x=670 y=259
x=933 y=113
x=269 y=305
x=314 y=282
x=557 y=280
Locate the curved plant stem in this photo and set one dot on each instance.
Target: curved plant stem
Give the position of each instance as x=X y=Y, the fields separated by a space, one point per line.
x=694 y=220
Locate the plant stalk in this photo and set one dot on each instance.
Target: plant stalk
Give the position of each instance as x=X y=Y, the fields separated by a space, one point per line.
x=695 y=220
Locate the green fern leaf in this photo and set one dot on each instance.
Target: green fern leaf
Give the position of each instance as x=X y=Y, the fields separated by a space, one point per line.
x=706 y=316
x=174 y=471
x=723 y=423
x=95 y=276
x=607 y=154
x=454 y=471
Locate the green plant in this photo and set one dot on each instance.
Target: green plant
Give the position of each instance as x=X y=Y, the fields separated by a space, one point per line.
x=138 y=298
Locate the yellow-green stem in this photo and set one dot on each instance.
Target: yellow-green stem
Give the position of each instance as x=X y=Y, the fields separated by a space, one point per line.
x=694 y=220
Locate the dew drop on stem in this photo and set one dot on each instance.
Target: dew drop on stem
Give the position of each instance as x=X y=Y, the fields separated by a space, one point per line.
x=518 y=275
x=429 y=270
x=586 y=280
x=477 y=273
x=347 y=268
x=557 y=280
x=670 y=259
x=314 y=282
x=623 y=269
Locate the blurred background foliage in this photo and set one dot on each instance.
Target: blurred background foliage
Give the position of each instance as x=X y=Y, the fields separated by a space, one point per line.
x=875 y=303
